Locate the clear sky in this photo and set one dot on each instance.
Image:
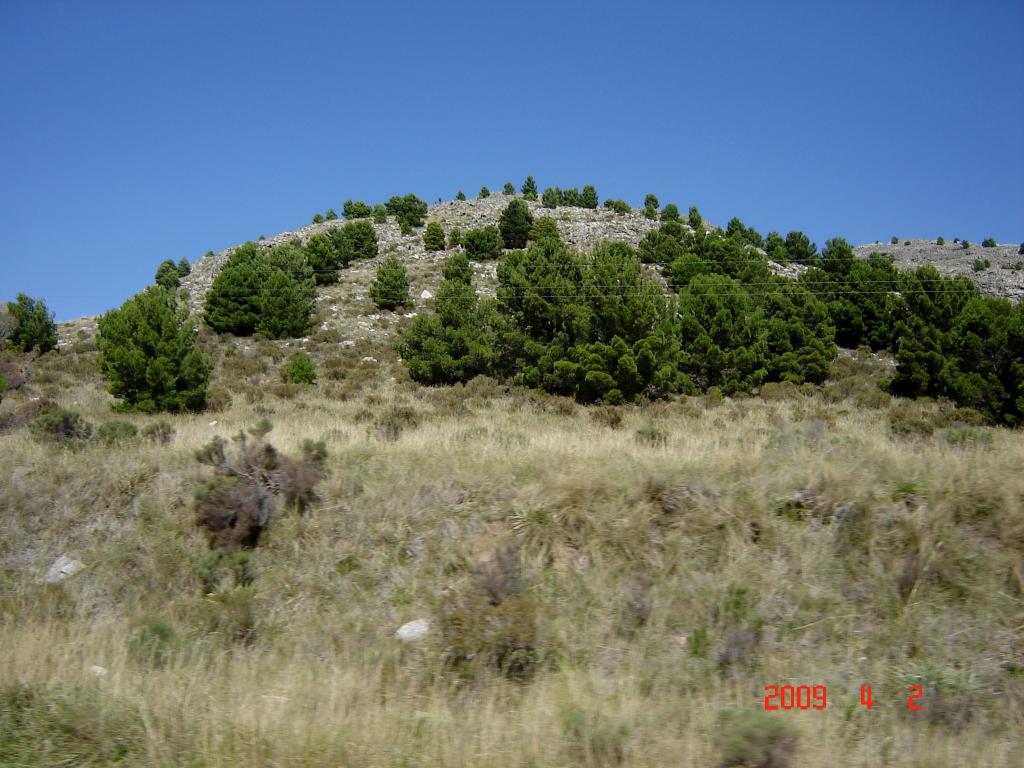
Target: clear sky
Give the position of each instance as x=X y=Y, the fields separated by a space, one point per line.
x=135 y=132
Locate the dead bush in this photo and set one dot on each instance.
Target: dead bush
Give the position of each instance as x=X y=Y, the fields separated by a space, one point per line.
x=753 y=739
x=608 y=415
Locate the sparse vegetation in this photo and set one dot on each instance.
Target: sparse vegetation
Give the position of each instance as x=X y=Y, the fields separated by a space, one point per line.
x=989 y=242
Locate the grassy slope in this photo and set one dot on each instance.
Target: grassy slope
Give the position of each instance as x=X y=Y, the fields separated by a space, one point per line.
x=155 y=655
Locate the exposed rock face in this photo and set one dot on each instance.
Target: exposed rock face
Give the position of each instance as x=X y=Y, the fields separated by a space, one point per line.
x=1005 y=276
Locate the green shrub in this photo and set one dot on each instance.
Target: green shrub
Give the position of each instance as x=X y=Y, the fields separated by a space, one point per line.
x=509 y=188
x=390 y=287
x=318 y=218
x=989 y=242
x=460 y=195
x=588 y=199
x=409 y=210
x=458 y=269
x=168 y=274
x=484 y=192
x=619 y=206
x=60 y=427
x=529 y=189
x=286 y=297
x=980 y=265
x=651 y=206
x=300 y=369
x=514 y=224
x=356 y=209
x=148 y=353
x=114 y=432
x=940 y=240
x=160 y=432
x=380 y=213
x=433 y=236
x=35 y=329
x=753 y=739
x=327 y=252
x=550 y=198
x=232 y=303
x=695 y=220
x=483 y=243
x=670 y=212
x=331 y=215
x=894 y=240
x=455 y=237
x=1020 y=251
x=544 y=227
x=965 y=244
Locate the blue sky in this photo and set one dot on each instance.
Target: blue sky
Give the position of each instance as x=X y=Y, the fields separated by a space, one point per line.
x=136 y=132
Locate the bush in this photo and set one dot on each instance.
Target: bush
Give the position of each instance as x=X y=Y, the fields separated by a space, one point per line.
x=514 y=224
x=529 y=189
x=35 y=329
x=359 y=239
x=484 y=192
x=965 y=244
x=160 y=432
x=390 y=287
x=168 y=274
x=989 y=242
x=509 y=188
x=114 y=432
x=550 y=198
x=753 y=739
x=483 y=243
x=60 y=427
x=619 y=206
x=651 y=206
x=286 y=298
x=455 y=237
x=300 y=369
x=232 y=301
x=589 y=197
x=940 y=240
x=409 y=210
x=894 y=240
x=380 y=213
x=327 y=252
x=980 y=265
x=331 y=215
x=695 y=220
x=1020 y=251
x=460 y=195
x=318 y=218
x=670 y=213
x=356 y=210
x=148 y=353
x=457 y=269
x=571 y=197
x=544 y=228
x=433 y=237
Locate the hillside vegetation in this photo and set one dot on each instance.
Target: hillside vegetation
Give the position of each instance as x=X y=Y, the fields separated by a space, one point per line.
x=612 y=518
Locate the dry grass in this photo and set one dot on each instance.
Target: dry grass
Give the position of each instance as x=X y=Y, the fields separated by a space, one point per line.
x=296 y=663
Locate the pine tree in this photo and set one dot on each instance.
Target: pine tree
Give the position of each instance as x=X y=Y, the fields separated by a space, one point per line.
x=550 y=198
x=483 y=243
x=509 y=188
x=433 y=236
x=455 y=238
x=460 y=195
x=589 y=197
x=670 y=213
x=390 y=287
x=457 y=268
x=167 y=275
x=233 y=299
x=651 y=206
x=484 y=192
x=515 y=223
x=35 y=327
x=148 y=353
x=529 y=189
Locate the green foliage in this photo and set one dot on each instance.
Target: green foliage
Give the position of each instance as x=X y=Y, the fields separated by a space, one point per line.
x=989 y=242
x=619 y=206
x=409 y=210
x=460 y=195
x=695 y=220
x=588 y=199
x=799 y=248
x=300 y=369
x=232 y=301
x=60 y=427
x=356 y=209
x=115 y=432
x=755 y=739
x=980 y=265
x=318 y=218
x=514 y=224
x=484 y=192
x=1020 y=251
x=894 y=240
x=331 y=215
x=940 y=240
x=670 y=212
x=433 y=236
x=390 y=287
x=148 y=353
x=35 y=329
x=965 y=244
x=550 y=198
x=651 y=206
x=743 y=234
x=457 y=268
x=455 y=237
x=509 y=188
x=529 y=189
x=169 y=274
x=380 y=213
x=159 y=432
x=483 y=243
x=286 y=297
x=544 y=227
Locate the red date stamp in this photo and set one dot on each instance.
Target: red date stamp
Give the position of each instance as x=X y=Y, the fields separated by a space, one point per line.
x=804 y=697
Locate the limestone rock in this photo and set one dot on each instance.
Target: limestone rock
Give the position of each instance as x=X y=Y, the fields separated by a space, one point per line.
x=63 y=567
x=413 y=630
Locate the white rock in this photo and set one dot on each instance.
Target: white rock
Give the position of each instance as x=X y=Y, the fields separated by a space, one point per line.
x=426 y=294
x=213 y=423
x=409 y=314
x=414 y=630
x=369 y=359
x=97 y=670
x=347 y=344
x=62 y=568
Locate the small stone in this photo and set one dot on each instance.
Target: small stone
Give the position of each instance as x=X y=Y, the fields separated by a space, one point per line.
x=347 y=344
x=425 y=294
x=413 y=630
x=213 y=423
x=98 y=671
x=63 y=567
x=369 y=359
